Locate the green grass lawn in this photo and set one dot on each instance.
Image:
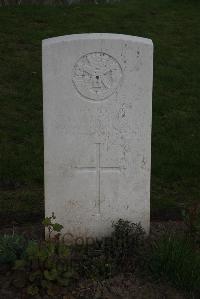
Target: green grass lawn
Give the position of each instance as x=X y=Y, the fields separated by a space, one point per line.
x=174 y=27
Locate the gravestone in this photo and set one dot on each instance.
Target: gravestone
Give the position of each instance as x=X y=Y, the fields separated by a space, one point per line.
x=97 y=130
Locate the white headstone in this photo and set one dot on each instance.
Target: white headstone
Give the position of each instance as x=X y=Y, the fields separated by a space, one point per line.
x=97 y=130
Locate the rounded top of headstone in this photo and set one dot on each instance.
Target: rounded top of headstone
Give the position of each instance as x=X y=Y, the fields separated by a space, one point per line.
x=85 y=36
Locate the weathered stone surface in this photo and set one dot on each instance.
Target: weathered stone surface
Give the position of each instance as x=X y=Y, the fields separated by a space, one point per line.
x=97 y=130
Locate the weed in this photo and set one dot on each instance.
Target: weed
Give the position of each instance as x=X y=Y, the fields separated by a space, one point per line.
x=11 y=248
x=175 y=258
x=108 y=256
x=47 y=264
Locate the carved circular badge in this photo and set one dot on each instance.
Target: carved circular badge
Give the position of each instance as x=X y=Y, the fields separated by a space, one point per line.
x=96 y=75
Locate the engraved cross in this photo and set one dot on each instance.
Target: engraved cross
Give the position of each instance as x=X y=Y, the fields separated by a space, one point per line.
x=98 y=169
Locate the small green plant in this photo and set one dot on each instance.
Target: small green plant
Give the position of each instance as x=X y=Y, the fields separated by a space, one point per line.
x=11 y=248
x=52 y=227
x=126 y=239
x=175 y=258
x=96 y=267
x=47 y=264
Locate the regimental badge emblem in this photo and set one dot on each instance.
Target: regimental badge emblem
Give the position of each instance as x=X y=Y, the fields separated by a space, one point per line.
x=96 y=75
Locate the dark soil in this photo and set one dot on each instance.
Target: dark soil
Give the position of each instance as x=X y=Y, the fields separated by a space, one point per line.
x=123 y=286
x=127 y=286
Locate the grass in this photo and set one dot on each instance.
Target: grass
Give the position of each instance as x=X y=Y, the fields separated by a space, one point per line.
x=174 y=258
x=173 y=25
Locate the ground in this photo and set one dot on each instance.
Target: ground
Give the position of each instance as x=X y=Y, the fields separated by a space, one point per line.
x=123 y=286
